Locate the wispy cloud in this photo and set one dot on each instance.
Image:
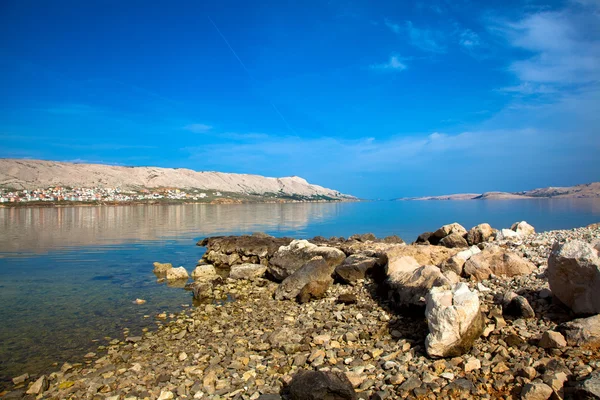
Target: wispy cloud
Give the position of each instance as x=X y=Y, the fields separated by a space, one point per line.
x=469 y=39
x=393 y=65
x=198 y=128
x=425 y=39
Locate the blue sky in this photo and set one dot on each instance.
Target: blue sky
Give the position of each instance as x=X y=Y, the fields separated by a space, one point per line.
x=374 y=98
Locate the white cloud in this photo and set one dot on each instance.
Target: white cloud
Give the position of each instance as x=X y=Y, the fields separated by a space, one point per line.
x=394 y=64
x=469 y=39
x=198 y=128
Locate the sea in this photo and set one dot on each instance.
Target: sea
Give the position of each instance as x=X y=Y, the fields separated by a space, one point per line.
x=69 y=276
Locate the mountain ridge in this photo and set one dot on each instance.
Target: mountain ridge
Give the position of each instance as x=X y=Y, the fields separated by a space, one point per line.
x=34 y=174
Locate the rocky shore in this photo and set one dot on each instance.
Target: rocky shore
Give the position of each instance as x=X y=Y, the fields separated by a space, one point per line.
x=479 y=313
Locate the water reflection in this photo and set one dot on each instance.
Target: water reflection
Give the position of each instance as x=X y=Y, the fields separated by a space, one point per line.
x=38 y=230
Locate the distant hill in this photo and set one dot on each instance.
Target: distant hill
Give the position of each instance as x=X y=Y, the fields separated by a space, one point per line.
x=36 y=174
x=588 y=190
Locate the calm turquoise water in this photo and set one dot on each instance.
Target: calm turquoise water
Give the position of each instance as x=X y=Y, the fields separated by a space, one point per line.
x=68 y=276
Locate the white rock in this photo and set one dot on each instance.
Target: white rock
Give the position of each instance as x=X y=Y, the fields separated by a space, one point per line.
x=454 y=320
x=523 y=228
x=409 y=282
x=247 y=271
x=507 y=234
x=166 y=395
x=175 y=274
x=204 y=271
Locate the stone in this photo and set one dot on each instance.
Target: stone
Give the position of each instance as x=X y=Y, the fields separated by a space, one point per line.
x=454 y=319
x=160 y=269
x=453 y=240
x=365 y=237
x=517 y=306
x=457 y=261
x=447 y=230
x=393 y=239
x=202 y=290
x=424 y=238
x=523 y=228
x=177 y=274
x=574 y=276
x=314 y=290
x=357 y=266
x=582 y=332
x=166 y=395
x=226 y=251
x=288 y=259
x=552 y=340
x=20 y=379
x=480 y=234
x=247 y=271
x=320 y=385
x=555 y=380
x=204 y=271
x=589 y=388
x=409 y=282
x=424 y=254
x=39 y=386
x=316 y=269
x=139 y=301
x=472 y=364
x=507 y=234
x=536 y=391
x=347 y=298
x=495 y=260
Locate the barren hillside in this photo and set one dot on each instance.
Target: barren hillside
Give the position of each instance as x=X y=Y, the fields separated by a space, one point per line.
x=32 y=174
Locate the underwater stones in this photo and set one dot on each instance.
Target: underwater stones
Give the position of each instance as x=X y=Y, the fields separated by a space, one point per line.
x=160 y=269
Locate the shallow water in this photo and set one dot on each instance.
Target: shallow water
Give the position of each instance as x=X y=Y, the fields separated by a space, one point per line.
x=69 y=276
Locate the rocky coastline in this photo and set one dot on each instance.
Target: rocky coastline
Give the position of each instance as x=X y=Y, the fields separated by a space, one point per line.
x=478 y=313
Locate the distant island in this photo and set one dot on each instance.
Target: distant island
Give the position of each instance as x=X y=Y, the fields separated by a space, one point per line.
x=585 y=191
x=39 y=182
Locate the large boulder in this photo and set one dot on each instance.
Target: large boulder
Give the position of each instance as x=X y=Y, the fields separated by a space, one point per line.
x=247 y=271
x=454 y=320
x=495 y=260
x=225 y=251
x=582 y=332
x=315 y=270
x=410 y=282
x=320 y=385
x=424 y=254
x=288 y=259
x=589 y=388
x=457 y=261
x=574 y=276
x=177 y=274
x=507 y=234
x=480 y=234
x=357 y=266
x=523 y=228
x=204 y=272
x=447 y=230
x=453 y=240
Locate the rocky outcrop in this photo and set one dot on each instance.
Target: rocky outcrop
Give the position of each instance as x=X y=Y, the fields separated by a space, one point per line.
x=320 y=385
x=247 y=271
x=358 y=266
x=454 y=320
x=495 y=260
x=582 y=332
x=480 y=234
x=316 y=269
x=410 y=282
x=288 y=259
x=225 y=251
x=574 y=276
x=177 y=274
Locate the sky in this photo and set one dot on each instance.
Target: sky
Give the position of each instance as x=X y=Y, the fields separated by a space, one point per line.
x=379 y=99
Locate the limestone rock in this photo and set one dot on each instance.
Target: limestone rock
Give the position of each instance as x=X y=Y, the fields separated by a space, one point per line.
x=316 y=269
x=365 y=237
x=226 y=251
x=453 y=240
x=517 y=305
x=454 y=320
x=523 y=228
x=507 y=234
x=448 y=230
x=424 y=254
x=177 y=274
x=39 y=386
x=160 y=269
x=288 y=259
x=357 y=266
x=409 y=282
x=574 y=276
x=582 y=332
x=247 y=271
x=313 y=291
x=320 y=385
x=497 y=261
x=204 y=271
x=536 y=391
x=589 y=388
x=457 y=261
x=552 y=340
x=480 y=234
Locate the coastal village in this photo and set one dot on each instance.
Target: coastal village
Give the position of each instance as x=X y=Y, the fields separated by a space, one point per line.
x=98 y=194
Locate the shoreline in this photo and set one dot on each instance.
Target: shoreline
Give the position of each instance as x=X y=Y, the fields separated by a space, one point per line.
x=379 y=348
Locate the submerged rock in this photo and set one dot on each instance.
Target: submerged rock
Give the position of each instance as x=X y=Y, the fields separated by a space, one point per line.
x=320 y=385
x=574 y=276
x=177 y=274
x=454 y=319
x=160 y=269
x=204 y=271
x=226 y=251
x=288 y=259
